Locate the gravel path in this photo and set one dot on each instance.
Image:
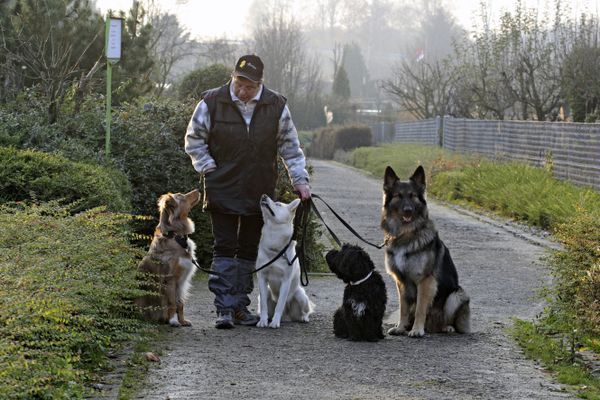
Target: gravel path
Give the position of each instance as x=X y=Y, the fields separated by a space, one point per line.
x=498 y=267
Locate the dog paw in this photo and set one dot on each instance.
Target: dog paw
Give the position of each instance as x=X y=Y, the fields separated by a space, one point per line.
x=263 y=323
x=396 y=331
x=275 y=324
x=305 y=318
x=448 y=329
x=186 y=323
x=174 y=324
x=416 y=333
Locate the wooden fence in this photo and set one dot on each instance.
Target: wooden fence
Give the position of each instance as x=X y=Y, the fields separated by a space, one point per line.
x=572 y=148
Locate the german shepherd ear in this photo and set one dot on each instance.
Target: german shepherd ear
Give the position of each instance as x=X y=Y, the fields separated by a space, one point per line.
x=389 y=178
x=418 y=176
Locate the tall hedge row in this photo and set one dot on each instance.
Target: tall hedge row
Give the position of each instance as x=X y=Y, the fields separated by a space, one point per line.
x=329 y=139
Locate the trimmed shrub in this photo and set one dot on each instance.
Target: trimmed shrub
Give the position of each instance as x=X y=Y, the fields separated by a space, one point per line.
x=322 y=140
x=327 y=140
x=34 y=175
x=197 y=81
x=67 y=289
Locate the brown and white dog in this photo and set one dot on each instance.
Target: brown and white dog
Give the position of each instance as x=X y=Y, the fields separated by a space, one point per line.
x=169 y=264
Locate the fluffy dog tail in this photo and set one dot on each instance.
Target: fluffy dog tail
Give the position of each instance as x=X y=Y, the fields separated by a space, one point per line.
x=458 y=311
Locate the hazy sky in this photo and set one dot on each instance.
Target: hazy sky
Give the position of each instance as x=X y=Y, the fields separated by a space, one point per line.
x=217 y=18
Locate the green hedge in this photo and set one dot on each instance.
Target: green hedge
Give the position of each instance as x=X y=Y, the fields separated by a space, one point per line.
x=577 y=269
x=327 y=141
x=34 y=175
x=66 y=285
x=199 y=80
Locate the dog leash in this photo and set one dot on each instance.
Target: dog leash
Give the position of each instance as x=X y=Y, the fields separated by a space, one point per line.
x=347 y=225
x=281 y=253
x=302 y=216
x=301 y=219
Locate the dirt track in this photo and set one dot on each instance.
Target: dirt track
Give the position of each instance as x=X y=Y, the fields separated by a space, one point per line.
x=498 y=268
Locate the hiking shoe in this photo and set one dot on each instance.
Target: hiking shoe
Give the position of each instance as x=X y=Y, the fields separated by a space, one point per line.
x=244 y=317
x=224 y=320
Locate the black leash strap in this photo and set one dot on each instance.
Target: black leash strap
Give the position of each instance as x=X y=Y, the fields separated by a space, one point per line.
x=208 y=271
x=281 y=253
x=318 y=214
x=301 y=220
x=379 y=246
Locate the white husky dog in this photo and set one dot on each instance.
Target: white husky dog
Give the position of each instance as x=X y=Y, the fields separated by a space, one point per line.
x=280 y=293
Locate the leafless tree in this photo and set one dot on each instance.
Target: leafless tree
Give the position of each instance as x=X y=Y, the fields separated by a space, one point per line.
x=280 y=44
x=534 y=73
x=480 y=90
x=170 y=43
x=422 y=88
x=279 y=41
x=219 y=51
x=328 y=12
x=47 y=59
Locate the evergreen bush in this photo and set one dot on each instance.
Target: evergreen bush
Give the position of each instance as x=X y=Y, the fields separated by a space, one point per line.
x=67 y=284
x=197 y=81
x=34 y=175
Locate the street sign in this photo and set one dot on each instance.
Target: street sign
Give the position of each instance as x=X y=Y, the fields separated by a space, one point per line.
x=113 y=55
x=113 y=39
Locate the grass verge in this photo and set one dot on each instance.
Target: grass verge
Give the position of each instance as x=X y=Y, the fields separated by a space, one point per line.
x=557 y=357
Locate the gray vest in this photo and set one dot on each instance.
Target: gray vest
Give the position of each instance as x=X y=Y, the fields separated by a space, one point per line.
x=246 y=158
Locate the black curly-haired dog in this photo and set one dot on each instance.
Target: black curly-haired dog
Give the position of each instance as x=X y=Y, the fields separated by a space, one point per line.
x=361 y=314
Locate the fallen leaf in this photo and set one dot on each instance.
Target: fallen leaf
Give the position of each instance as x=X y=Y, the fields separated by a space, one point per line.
x=152 y=357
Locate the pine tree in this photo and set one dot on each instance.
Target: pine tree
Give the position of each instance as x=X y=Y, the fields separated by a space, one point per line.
x=341 y=85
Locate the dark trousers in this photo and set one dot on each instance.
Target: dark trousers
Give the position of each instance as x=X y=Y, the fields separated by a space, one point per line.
x=236 y=236
x=235 y=248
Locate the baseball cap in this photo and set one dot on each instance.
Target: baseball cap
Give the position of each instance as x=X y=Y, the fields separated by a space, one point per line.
x=250 y=67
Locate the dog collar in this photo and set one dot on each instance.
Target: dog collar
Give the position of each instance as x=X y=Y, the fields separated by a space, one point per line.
x=180 y=239
x=362 y=280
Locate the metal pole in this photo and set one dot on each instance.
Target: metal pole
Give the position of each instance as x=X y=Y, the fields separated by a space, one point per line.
x=108 y=108
x=108 y=97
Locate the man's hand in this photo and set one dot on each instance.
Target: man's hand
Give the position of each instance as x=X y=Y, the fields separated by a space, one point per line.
x=303 y=191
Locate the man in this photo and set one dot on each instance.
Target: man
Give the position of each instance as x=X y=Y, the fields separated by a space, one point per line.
x=234 y=137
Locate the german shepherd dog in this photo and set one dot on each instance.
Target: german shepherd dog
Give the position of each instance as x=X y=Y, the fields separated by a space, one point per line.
x=169 y=264
x=430 y=297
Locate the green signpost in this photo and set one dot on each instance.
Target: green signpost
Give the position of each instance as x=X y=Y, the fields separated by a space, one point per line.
x=113 y=55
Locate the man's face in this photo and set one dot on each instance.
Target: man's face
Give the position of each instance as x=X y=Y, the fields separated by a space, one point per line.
x=244 y=88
